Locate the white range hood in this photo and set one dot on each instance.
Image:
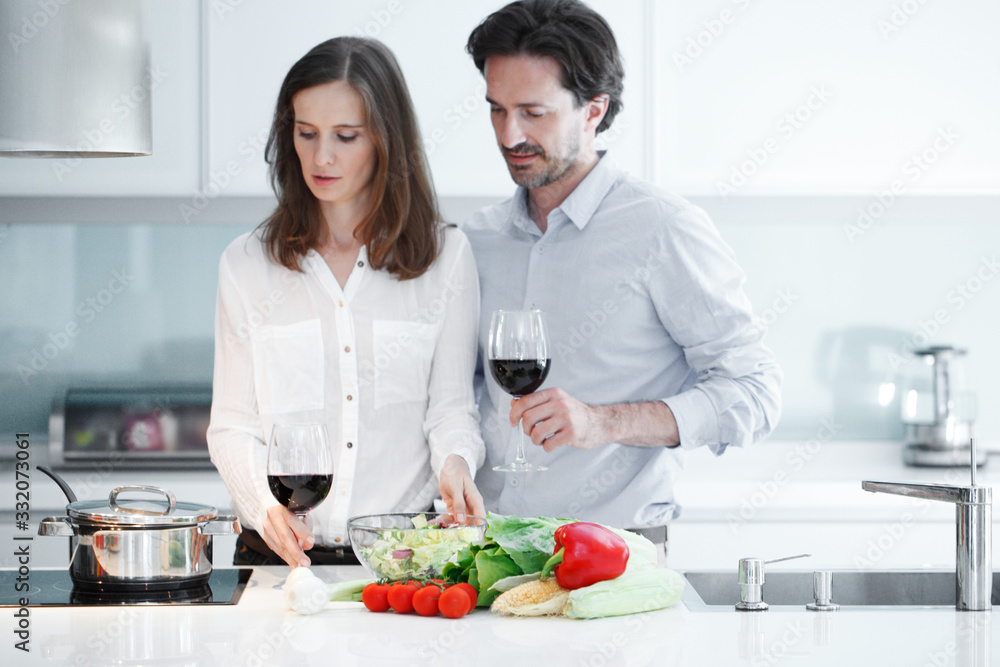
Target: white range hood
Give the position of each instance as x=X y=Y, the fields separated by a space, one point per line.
x=74 y=79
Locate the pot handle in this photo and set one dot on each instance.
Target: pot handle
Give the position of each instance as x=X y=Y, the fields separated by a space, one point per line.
x=113 y=500
x=58 y=526
x=224 y=524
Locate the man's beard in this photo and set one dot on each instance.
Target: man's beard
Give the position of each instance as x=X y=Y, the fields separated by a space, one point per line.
x=551 y=170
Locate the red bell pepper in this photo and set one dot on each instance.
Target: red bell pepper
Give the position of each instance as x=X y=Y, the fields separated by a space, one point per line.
x=586 y=553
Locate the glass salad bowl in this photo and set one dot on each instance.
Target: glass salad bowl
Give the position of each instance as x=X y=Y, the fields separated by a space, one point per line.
x=397 y=546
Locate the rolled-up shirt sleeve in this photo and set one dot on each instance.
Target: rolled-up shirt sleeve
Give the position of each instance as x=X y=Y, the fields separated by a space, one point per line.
x=235 y=438
x=452 y=422
x=699 y=297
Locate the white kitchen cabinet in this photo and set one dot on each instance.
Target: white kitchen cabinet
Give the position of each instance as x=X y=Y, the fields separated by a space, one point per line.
x=855 y=97
x=174 y=83
x=252 y=44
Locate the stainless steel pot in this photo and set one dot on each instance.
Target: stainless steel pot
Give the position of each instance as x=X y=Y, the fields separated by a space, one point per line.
x=131 y=544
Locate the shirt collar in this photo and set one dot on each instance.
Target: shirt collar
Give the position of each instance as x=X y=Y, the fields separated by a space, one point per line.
x=580 y=205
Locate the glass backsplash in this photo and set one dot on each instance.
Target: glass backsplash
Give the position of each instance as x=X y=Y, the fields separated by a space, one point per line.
x=104 y=306
x=133 y=306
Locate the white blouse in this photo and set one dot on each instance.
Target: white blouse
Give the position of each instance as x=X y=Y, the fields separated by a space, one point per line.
x=387 y=365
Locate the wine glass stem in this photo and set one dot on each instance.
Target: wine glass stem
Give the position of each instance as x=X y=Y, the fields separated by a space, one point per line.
x=520 y=443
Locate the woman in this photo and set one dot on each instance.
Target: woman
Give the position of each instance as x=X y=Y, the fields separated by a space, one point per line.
x=352 y=305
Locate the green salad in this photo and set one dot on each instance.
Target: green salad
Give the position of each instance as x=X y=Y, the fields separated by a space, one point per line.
x=419 y=551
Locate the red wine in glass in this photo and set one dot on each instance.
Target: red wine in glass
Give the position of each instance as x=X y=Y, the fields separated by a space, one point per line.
x=300 y=493
x=299 y=466
x=519 y=377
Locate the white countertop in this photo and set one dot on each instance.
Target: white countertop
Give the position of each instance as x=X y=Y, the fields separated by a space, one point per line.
x=261 y=631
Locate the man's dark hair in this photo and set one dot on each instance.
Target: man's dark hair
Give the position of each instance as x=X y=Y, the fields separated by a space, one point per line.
x=573 y=34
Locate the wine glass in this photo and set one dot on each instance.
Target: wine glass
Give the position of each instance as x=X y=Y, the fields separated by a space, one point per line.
x=299 y=466
x=519 y=362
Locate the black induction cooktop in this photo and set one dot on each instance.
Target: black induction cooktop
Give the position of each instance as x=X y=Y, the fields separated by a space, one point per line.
x=54 y=588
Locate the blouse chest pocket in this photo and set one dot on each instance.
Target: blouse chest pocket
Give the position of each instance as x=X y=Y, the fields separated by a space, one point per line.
x=403 y=352
x=288 y=367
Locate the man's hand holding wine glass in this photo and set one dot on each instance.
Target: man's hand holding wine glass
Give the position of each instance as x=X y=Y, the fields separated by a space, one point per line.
x=553 y=419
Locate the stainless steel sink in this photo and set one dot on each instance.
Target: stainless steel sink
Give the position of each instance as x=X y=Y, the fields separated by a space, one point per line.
x=720 y=590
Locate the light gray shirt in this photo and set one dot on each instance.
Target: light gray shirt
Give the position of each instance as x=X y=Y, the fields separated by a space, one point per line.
x=643 y=301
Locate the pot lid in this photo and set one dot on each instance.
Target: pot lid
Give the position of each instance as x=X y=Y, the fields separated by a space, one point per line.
x=162 y=512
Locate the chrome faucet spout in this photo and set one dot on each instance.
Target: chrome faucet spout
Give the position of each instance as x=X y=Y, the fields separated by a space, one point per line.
x=973 y=548
x=975 y=495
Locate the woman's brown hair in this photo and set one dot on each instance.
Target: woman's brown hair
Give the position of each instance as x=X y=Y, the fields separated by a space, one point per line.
x=401 y=229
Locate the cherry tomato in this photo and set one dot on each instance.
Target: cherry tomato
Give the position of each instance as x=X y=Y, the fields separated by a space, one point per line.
x=471 y=591
x=376 y=597
x=454 y=603
x=401 y=597
x=425 y=601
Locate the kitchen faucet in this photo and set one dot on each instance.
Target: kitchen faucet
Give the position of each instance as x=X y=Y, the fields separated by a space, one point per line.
x=973 y=518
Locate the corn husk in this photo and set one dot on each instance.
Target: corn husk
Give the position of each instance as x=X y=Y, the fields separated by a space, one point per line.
x=631 y=593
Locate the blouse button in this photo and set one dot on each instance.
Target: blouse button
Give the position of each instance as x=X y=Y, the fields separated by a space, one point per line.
x=361 y=264
x=341 y=304
x=347 y=348
x=350 y=444
x=350 y=398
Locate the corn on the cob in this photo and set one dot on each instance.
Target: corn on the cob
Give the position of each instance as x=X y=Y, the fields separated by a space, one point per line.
x=543 y=597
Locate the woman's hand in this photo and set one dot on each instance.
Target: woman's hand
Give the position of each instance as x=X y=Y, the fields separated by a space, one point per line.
x=287 y=535
x=458 y=491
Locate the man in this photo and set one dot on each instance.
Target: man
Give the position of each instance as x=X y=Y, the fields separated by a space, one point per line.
x=653 y=342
